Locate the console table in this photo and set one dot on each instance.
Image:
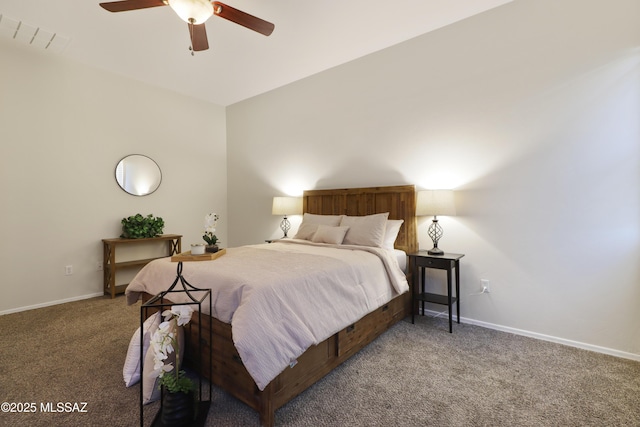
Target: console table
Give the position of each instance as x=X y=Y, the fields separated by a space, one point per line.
x=110 y=266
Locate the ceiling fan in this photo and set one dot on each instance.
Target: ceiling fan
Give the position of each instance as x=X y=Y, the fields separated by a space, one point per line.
x=195 y=13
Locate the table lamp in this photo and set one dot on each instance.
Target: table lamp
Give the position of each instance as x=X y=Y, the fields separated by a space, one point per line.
x=286 y=206
x=435 y=202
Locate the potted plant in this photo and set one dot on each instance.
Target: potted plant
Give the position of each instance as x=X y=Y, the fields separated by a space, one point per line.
x=139 y=227
x=210 y=223
x=178 y=400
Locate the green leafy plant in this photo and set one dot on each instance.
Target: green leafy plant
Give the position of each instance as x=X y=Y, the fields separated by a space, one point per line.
x=177 y=383
x=139 y=227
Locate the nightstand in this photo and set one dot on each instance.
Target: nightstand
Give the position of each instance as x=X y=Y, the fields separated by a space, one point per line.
x=421 y=260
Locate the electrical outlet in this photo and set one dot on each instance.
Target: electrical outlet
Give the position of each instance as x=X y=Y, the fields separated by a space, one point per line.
x=484 y=284
x=68 y=270
x=99 y=266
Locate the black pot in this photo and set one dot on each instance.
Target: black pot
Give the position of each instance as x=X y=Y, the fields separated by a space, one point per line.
x=211 y=249
x=178 y=409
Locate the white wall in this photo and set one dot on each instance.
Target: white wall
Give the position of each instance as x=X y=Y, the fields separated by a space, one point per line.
x=531 y=111
x=63 y=128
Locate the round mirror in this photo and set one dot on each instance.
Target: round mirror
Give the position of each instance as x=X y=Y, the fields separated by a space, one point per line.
x=138 y=175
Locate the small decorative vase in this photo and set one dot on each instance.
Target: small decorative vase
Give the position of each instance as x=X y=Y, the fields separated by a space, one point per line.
x=212 y=249
x=178 y=409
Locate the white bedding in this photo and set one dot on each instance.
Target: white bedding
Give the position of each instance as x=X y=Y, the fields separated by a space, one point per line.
x=401 y=257
x=283 y=297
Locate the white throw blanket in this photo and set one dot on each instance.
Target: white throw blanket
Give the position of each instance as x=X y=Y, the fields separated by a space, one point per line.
x=283 y=297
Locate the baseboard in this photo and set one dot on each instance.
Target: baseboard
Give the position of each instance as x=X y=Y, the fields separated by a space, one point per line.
x=515 y=331
x=50 y=303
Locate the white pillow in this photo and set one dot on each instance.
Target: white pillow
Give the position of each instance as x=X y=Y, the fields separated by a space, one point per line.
x=365 y=230
x=322 y=219
x=306 y=231
x=151 y=386
x=131 y=368
x=392 y=229
x=329 y=234
x=310 y=223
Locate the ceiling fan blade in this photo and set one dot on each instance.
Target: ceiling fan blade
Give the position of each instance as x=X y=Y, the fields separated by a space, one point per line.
x=198 y=35
x=242 y=18
x=123 y=6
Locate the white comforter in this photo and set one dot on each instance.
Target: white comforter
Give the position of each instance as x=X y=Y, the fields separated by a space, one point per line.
x=283 y=297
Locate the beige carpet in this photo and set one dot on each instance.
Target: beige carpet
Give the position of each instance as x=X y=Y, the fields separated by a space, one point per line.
x=413 y=375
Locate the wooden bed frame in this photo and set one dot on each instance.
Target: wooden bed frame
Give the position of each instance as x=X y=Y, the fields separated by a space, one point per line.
x=228 y=372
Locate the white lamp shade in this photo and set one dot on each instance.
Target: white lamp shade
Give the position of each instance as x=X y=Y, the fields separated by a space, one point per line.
x=287 y=206
x=435 y=202
x=197 y=10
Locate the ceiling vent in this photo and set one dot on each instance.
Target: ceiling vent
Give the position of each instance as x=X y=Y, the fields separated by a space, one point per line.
x=32 y=35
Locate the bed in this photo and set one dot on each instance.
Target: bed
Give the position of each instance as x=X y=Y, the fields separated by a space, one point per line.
x=236 y=374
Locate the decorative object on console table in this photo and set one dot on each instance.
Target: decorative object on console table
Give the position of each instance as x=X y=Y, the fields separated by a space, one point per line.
x=420 y=260
x=110 y=266
x=435 y=202
x=175 y=303
x=140 y=227
x=286 y=206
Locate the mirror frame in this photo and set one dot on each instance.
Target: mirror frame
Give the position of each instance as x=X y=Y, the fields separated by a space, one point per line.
x=150 y=166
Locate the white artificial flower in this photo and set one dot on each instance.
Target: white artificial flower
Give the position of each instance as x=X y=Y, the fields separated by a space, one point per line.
x=210 y=222
x=159 y=353
x=165 y=327
x=168 y=344
x=183 y=312
x=159 y=369
x=163 y=339
x=157 y=340
x=158 y=364
x=161 y=346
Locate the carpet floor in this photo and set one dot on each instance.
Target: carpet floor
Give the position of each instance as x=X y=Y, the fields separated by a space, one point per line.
x=412 y=375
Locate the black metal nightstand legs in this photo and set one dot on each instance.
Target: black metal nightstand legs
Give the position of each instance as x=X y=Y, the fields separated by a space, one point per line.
x=450 y=303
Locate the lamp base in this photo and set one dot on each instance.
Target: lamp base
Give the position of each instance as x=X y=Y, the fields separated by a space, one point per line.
x=435 y=251
x=285 y=225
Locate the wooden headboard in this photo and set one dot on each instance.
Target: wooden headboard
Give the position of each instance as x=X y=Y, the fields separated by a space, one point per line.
x=399 y=201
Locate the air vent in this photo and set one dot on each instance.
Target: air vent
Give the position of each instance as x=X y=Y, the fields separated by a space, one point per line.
x=32 y=35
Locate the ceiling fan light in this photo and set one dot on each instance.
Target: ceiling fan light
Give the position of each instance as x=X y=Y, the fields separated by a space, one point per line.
x=194 y=11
